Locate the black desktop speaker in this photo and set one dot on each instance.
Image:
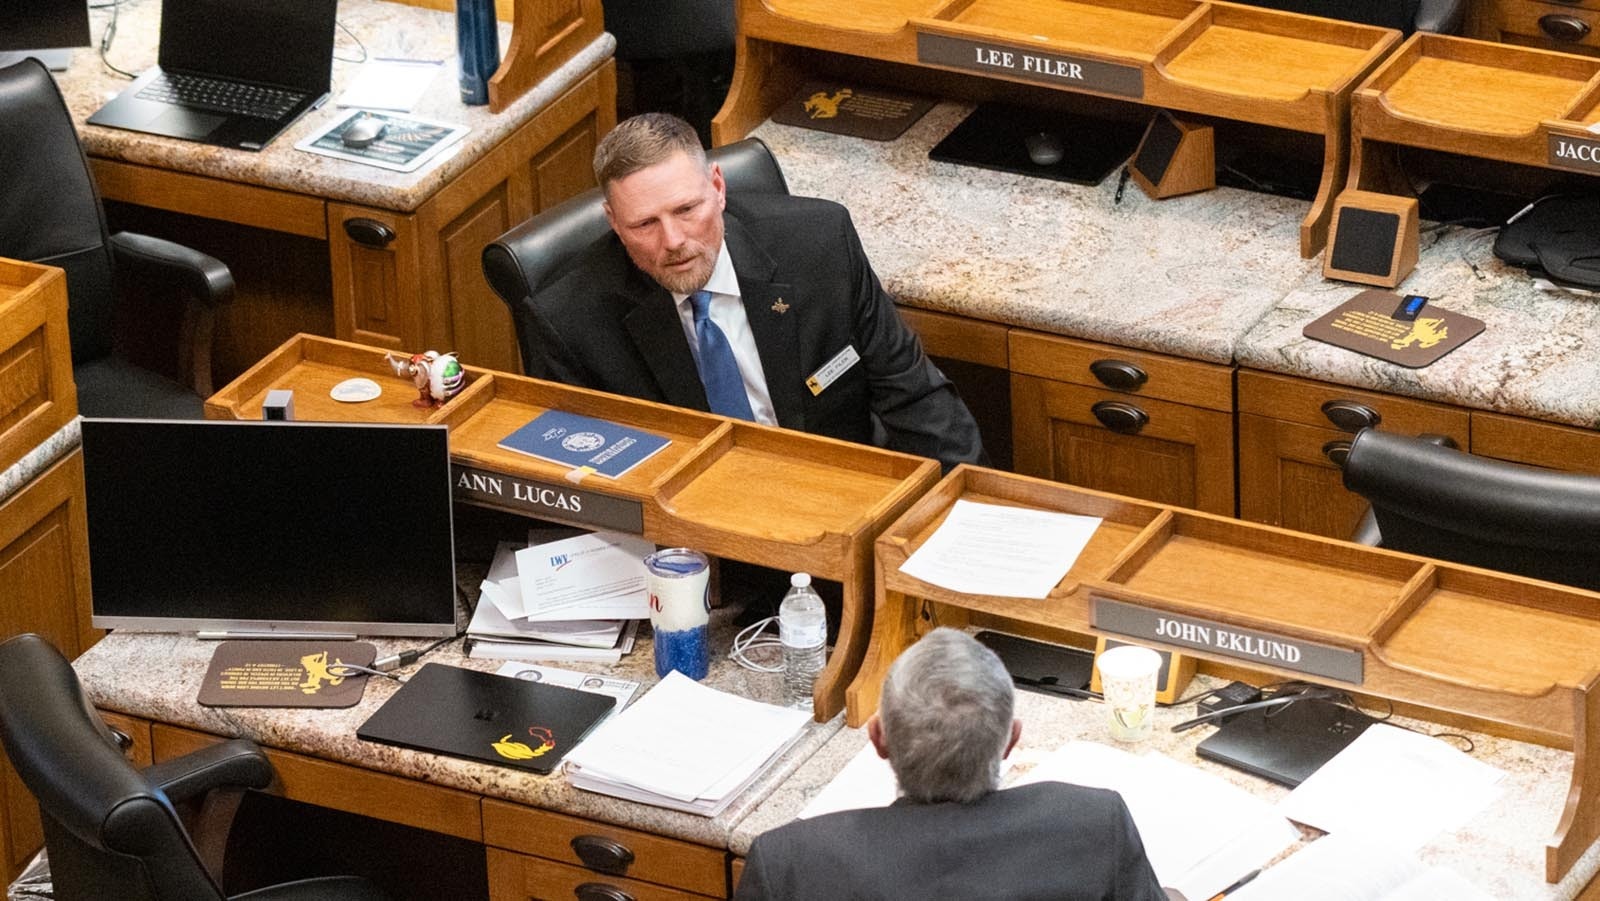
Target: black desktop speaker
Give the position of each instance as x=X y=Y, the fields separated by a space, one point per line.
x=1372 y=239
x=1175 y=157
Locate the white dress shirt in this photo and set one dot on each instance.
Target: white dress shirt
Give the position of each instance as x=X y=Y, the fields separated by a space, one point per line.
x=727 y=311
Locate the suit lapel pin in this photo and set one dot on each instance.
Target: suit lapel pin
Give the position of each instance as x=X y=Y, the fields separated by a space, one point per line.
x=779 y=307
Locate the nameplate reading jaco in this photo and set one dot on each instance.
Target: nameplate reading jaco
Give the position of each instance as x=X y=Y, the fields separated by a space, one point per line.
x=1247 y=645
x=561 y=502
x=1575 y=154
x=1031 y=65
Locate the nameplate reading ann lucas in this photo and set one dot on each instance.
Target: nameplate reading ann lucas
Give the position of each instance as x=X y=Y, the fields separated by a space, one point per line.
x=1248 y=645
x=544 y=499
x=1031 y=65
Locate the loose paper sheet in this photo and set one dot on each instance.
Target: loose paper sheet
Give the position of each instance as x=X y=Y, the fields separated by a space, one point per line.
x=1003 y=551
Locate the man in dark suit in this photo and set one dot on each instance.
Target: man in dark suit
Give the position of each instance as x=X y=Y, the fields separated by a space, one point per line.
x=761 y=307
x=945 y=722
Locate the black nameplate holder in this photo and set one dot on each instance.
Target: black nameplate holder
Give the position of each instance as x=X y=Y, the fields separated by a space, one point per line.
x=1250 y=646
x=546 y=500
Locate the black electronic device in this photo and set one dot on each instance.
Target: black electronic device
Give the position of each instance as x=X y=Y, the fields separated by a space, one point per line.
x=1372 y=238
x=46 y=29
x=1047 y=143
x=482 y=716
x=234 y=73
x=1409 y=307
x=1285 y=743
x=270 y=529
x=1040 y=666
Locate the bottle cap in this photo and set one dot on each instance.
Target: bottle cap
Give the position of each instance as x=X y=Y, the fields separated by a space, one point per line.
x=800 y=580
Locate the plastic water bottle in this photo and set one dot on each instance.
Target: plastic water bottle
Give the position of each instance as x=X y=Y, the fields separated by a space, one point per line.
x=478 y=46
x=803 y=629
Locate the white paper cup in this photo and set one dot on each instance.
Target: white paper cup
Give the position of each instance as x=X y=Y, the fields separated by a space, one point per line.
x=679 y=581
x=1128 y=682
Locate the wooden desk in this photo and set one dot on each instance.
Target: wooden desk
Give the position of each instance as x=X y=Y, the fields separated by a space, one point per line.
x=279 y=217
x=1502 y=653
x=525 y=822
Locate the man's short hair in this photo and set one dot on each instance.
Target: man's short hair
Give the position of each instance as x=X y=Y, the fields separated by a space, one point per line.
x=642 y=141
x=946 y=713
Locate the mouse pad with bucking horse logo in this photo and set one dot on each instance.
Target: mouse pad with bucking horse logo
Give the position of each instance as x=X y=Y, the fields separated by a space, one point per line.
x=286 y=674
x=1367 y=324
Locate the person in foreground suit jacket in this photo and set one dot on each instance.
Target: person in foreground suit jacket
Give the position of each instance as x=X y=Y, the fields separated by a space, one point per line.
x=817 y=342
x=945 y=722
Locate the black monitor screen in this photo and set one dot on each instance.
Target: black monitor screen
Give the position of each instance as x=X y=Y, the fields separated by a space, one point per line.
x=263 y=527
x=280 y=42
x=43 y=24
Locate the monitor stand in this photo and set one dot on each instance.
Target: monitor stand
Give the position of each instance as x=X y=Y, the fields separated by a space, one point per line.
x=56 y=59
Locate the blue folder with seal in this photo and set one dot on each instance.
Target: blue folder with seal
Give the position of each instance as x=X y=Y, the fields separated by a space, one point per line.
x=587 y=445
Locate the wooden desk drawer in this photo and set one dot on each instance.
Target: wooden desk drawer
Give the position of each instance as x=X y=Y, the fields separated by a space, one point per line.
x=518 y=877
x=1346 y=409
x=352 y=789
x=652 y=858
x=1560 y=24
x=959 y=338
x=1207 y=385
x=37 y=393
x=1535 y=443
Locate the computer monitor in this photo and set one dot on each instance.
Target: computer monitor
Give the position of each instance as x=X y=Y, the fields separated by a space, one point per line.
x=269 y=529
x=46 y=29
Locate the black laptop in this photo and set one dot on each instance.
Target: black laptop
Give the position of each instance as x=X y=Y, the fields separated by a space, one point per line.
x=481 y=716
x=1285 y=744
x=234 y=73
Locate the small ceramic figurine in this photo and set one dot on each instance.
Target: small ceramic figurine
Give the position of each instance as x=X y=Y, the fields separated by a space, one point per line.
x=438 y=376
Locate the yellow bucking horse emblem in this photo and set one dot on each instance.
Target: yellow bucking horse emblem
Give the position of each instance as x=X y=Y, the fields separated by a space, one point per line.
x=1424 y=333
x=317 y=672
x=824 y=105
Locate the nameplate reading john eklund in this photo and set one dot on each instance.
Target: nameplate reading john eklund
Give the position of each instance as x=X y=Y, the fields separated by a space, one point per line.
x=1247 y=645
x=561 y=502
x=1575 y=154
x=1031 y=65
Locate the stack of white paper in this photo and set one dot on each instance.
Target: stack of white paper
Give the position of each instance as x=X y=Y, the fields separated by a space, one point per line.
x=578 y=598
x=684 y=746
x=1348 y=868
x=1004 y=551
x=1169 y=801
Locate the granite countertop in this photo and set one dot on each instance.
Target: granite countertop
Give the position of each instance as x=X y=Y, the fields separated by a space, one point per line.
x=1185 y=276
x=1214 y=276
x=41 y=458
x=1501 y=850
x=386 y=30
x=1532 y=359
x=157 y=676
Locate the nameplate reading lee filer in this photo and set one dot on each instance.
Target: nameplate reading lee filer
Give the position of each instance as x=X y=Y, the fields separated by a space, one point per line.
x=1575 y=154
x=1031 y=65
x=1247 y=645
x=545 y=499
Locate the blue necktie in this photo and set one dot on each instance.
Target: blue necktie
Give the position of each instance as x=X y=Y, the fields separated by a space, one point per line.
x=719 y=372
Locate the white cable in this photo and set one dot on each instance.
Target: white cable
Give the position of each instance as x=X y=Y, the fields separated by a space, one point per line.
x=753 y=637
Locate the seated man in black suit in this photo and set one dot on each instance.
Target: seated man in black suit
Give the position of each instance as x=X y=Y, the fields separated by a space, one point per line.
x=761 y=307
x=945 y=722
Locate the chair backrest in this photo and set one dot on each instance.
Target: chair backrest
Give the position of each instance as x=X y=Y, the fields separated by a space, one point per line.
x=49 y=209
x=1441 y=16
x=663 y=29
x=1443 y=503
x=109 y=832
x=536 y=252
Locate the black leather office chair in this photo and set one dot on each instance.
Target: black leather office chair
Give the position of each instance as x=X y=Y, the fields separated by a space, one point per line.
x=50 y=213
x=1438 y=16
x=1440 y=502
x=534 y=253
x=111 y=830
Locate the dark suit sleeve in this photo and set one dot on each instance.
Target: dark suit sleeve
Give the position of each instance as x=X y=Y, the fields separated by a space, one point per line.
x=1136 y=880
x=752 y=884
x=550 y=358
x=915 y=402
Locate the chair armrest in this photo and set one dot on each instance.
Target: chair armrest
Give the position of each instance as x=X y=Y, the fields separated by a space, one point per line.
x=232 y=764
x=1441 y=16
x=205 y=278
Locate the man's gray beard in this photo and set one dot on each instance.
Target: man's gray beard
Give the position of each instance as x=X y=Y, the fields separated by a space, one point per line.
x=686 y=283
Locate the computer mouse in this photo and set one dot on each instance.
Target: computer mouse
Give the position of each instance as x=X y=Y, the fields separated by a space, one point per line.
x=1044 y=148
x=363 y=131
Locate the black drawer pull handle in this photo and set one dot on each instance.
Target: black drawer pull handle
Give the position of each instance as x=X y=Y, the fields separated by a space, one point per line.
x=1563 y=28
x=599 y=891
x=602 y=854
x=1120 y=417
x=369 y=232
x=1337 y=452
x=1118 y=375
x=1350 y=416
